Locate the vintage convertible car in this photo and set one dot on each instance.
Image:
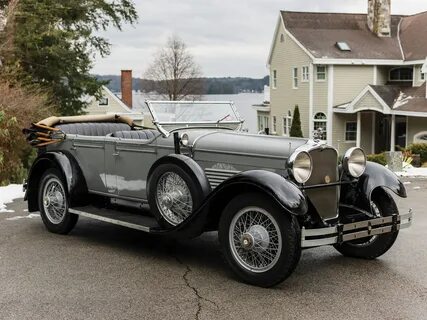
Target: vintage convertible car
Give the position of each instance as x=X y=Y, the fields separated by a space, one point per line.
x=267 y=196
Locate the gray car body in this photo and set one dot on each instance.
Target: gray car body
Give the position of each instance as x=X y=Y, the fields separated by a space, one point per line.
x=119 y=167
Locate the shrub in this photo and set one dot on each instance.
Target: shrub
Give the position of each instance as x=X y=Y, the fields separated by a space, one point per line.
x=18 y=108
x=378 y=158
x=296 y=124
x=419 y=148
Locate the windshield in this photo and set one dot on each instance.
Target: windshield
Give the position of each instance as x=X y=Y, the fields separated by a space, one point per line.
x=184 y=113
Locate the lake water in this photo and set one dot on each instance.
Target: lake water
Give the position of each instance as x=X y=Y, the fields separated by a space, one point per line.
x=243 y=102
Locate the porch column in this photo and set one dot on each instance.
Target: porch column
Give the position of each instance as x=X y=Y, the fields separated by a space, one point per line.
x=374 y=131
x=359 y=129
x=393 y=133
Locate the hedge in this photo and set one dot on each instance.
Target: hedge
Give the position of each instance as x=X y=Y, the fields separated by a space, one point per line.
x=378 y=158
x=419 y=148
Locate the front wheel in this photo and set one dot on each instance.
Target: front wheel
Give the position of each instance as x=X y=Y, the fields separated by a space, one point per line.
x=259 y=240
x=382 y=205
x=53 y=203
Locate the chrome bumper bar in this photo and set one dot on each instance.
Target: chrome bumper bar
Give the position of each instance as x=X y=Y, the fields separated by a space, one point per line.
x=352 y=231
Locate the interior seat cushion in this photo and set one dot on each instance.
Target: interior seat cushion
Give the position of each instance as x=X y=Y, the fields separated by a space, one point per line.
x=92 y=128
x=136 y=134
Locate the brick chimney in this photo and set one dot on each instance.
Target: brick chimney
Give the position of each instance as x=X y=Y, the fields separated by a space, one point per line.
x=379 y=17
x=127 y=87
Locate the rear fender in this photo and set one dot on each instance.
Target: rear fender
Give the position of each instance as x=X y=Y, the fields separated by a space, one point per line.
x=71 y=173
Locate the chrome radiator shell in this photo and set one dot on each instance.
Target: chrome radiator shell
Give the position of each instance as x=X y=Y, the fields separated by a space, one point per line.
x=325 y=199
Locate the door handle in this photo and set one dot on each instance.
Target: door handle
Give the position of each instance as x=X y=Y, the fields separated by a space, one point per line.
x=116 y=154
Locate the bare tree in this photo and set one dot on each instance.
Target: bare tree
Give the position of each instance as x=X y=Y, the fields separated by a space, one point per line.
x=7 y=10
x=174 y=73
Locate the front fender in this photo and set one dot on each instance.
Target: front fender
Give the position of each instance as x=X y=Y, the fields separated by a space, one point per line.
x=70 y=170
x=206 y=217
x=375 y=177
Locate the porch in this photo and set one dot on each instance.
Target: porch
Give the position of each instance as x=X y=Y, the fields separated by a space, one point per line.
x=382 y=118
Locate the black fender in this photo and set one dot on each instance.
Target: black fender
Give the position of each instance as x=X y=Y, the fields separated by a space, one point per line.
x=206 y=217
x=67 y=165
x=375 y=178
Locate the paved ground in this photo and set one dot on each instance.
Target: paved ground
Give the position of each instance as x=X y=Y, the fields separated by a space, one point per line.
x=101 y=271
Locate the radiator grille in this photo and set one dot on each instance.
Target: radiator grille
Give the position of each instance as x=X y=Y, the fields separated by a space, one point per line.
x=217 y=176
x=325 y=171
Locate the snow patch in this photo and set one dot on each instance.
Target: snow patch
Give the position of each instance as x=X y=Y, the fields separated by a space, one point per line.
x=30 y=216
x=8 y=194
x=402 y=100
x=413 y=172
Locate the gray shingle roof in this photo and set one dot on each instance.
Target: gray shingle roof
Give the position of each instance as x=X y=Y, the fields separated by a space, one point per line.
x=411 y=99
x=319 y=33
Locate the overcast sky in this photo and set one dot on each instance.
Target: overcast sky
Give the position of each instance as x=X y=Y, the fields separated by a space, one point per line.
x=227 y=37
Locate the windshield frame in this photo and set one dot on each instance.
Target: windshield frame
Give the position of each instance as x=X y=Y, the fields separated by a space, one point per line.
x=192 y=124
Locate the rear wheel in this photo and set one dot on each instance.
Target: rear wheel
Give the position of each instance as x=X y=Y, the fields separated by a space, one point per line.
x=259 y=240
x=53 y=203
x=382 y=205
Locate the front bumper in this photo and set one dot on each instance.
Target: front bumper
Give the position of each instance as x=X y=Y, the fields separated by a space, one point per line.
x=352 y=231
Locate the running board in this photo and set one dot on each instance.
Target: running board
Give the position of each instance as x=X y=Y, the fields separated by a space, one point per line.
x=120 y=218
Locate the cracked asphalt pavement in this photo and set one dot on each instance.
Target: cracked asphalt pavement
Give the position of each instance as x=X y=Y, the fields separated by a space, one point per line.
x=101 y=271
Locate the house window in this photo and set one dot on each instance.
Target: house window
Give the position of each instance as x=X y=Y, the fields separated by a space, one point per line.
x=274 y=84
x=287 y=123
x=274 y=124
x=295 y=78
x=401 y=74
x=305 y=74
x=351 y=131
x=103 y=101
x=320 y=73
x=320 y=126
x=282 y=38
x=422 y=75
x=263 y=123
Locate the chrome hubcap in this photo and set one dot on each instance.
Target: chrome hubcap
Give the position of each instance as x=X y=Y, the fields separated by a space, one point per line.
x=54 y=201
x=173 y=198
x=255 y=239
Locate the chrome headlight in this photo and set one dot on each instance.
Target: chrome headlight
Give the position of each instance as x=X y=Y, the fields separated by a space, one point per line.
x=354 y=162
x=300 y=165
x=184 y=140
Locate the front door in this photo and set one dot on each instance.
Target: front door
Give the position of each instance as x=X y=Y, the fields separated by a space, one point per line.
x=128 y=163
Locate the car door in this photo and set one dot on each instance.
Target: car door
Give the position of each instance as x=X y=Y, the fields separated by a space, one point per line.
x=128 y=162
x=89 y=153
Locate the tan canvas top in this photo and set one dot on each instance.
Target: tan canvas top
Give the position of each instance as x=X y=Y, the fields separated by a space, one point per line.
x=53 y=121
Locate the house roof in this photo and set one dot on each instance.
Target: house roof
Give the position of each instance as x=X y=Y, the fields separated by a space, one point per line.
x=413 y=31
x=407 y=99
x=394 y=99
x=319 y=33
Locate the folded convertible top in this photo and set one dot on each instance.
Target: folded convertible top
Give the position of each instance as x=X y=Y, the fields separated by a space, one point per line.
x=53 y=121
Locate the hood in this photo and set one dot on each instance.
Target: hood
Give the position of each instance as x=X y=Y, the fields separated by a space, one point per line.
x=245 y=144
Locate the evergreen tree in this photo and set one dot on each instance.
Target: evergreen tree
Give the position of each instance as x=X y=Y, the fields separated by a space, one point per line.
x=55 y=42
x=296 y=124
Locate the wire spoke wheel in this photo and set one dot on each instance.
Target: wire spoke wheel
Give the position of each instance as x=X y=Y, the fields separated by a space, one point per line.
x=255 y=239
x=54 y=201
x=173 y=198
